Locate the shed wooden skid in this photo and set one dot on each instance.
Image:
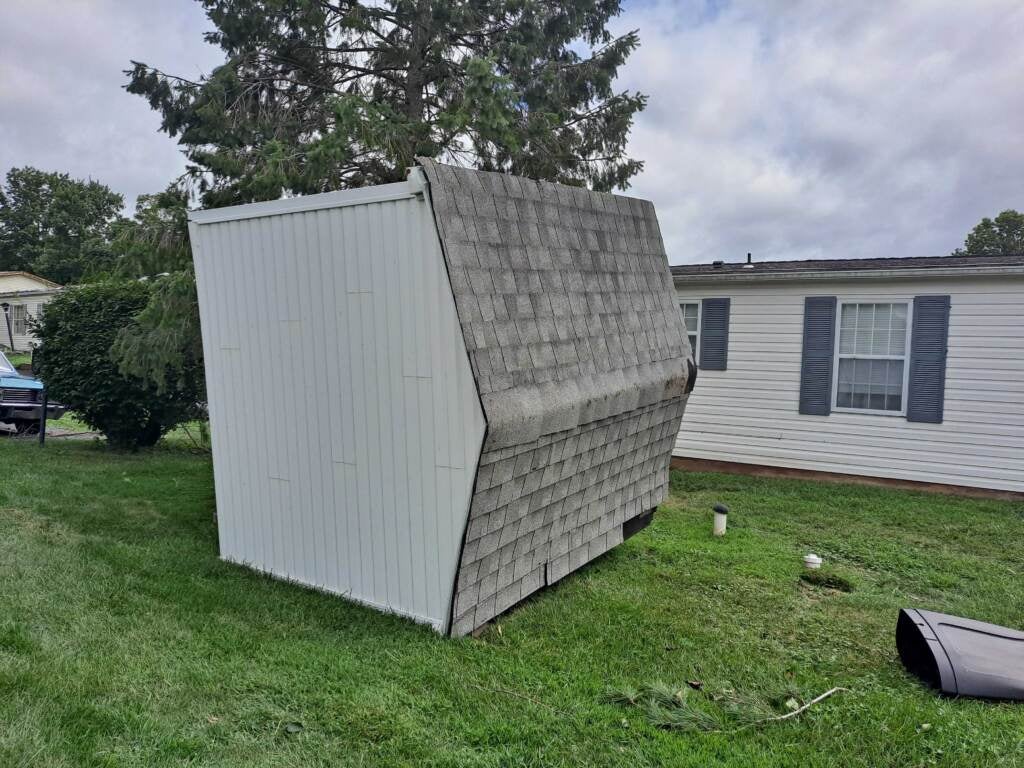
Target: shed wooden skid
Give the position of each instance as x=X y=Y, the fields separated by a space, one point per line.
x=438 y=396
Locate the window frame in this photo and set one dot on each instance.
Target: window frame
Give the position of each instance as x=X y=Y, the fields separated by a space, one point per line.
x=696 y=347
x=19 y=318
x=905 y=357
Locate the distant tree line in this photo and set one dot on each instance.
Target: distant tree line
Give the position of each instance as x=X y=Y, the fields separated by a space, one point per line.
x=73 y=231
x=55 y=226
x=1001 y=236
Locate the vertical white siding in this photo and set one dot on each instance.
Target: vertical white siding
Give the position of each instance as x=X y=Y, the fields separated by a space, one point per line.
x=345 y=423
x=749 y=413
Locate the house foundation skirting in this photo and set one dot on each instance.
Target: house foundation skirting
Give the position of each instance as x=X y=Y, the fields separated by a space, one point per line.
x=764 y=470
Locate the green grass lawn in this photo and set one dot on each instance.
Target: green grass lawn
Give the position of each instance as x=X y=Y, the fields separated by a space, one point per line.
x=19 y=358
x=124 y=641
x=194 y=434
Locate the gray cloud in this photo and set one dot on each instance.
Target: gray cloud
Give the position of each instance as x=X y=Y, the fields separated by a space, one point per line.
x=62 y=105
x=823 y=129
x=793 y=130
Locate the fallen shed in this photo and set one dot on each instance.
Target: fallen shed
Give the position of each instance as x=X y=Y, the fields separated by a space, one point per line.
x=438 y=396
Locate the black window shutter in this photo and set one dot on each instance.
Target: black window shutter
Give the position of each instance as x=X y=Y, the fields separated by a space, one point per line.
x=928 y=343
x=714 y=334
x=819 y=348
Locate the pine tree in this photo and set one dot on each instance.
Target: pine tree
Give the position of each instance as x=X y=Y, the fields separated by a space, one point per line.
x=317 y=95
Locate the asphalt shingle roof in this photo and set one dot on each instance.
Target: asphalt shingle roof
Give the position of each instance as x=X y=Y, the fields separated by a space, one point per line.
x=579 y=353
x=848 y=265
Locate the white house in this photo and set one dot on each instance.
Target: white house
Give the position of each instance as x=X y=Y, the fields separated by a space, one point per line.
x=22 y=296
x=904 y=368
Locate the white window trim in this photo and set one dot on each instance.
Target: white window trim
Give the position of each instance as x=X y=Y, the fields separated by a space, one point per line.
x=21 y=321
x=904 y=357
x=696 y=348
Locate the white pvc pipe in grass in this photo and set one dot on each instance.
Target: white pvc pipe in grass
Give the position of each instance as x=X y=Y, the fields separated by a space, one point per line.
x=721 y=515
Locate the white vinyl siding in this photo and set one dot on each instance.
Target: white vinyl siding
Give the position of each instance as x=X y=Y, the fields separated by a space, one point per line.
x=345 y=421
x=749 y=413
x=22 y=309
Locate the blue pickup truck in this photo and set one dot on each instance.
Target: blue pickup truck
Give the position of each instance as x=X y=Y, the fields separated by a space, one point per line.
x=21 y=399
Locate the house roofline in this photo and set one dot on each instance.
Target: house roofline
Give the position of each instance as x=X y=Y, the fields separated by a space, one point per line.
x=29 y=293
x=845 y=274
x=30 y=276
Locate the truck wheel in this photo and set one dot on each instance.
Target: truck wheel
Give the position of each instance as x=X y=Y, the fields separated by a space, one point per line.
x=26 y=428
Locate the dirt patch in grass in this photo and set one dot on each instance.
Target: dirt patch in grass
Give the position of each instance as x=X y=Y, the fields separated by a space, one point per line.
x=827 y=579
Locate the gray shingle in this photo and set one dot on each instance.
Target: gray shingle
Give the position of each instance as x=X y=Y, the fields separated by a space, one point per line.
x=508 y=597
x=577 y=349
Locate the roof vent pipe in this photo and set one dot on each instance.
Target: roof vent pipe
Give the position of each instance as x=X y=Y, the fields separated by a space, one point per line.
x=749 y=264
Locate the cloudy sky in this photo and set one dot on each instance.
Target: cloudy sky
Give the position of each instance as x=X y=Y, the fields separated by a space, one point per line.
x=790 y=129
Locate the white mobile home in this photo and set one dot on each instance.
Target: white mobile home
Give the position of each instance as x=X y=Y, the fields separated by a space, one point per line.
x=908 y=369
x=22 y=298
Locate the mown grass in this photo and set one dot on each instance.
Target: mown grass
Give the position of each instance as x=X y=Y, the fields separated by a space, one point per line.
x=18 y=358
x=193 y=434
x=124 y=641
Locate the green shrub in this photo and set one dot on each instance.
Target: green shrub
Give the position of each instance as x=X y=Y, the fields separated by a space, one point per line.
x=74 y=360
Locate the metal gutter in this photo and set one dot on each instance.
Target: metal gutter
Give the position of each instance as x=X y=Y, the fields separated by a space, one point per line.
x=853 y=274
x=28 y=293
x=361 y=196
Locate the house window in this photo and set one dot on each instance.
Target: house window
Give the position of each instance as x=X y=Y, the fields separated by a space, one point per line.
x=18 y=319
x=871 y=364
x=691 y=316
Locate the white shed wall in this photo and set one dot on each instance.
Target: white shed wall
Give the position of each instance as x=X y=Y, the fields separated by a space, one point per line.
x=749 y=412
x=346 y=426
